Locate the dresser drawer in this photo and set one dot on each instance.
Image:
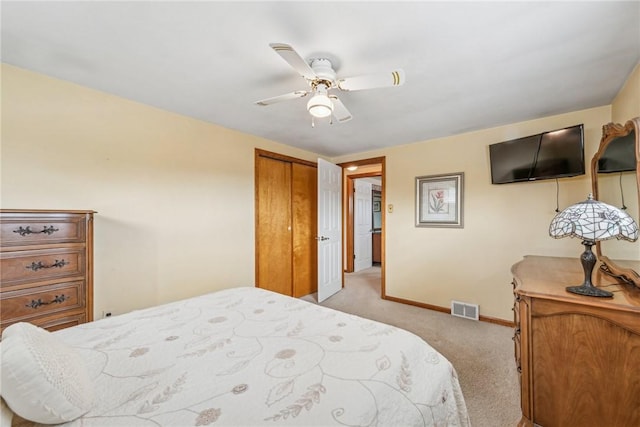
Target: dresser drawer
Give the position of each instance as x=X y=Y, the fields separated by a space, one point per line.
x=25 y=304
x=35 y=229
x=56 y=322
x=63 y=322
x=29 y=266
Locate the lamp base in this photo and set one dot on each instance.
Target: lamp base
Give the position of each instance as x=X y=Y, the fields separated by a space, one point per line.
x=588 y=260
x=590 y=291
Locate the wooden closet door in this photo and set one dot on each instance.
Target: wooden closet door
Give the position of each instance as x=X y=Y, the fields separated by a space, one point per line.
x=305 y=218
x=273 y=225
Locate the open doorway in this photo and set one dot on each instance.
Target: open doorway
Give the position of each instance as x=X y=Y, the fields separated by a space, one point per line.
x=364 y=219
x=367 y=223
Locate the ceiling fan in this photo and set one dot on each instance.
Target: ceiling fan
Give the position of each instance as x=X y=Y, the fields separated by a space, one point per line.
x=321 y=77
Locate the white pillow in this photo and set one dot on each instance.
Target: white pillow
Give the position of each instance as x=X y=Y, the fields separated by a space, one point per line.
x=43 y=379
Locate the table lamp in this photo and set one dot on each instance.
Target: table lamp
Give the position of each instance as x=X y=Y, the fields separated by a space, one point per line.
x=592 y=221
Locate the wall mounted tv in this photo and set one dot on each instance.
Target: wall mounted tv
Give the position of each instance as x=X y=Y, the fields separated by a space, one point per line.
x=619 y=156
x=547 y=155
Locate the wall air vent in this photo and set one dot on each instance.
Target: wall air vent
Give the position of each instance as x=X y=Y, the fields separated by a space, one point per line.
x=462 y=309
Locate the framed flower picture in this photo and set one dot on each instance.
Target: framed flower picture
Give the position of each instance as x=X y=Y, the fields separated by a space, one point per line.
x=439 y=200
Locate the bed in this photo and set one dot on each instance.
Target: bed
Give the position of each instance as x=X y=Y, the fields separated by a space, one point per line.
x=243 y=356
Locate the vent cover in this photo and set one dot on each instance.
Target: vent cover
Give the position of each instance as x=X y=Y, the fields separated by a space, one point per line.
x=462 y=309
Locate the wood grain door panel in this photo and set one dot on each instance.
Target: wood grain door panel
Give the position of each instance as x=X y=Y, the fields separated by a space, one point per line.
x=274 y=227
x=305 y=247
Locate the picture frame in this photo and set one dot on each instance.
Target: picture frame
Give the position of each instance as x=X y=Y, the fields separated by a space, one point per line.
x=439 y=200
x=376 y=206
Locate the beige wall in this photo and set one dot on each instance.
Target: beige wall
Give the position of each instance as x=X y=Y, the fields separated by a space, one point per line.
x=626 y=105
x=174 y=195
x=502 y=223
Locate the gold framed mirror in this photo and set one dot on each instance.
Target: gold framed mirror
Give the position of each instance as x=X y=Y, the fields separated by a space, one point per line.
x=615 y=179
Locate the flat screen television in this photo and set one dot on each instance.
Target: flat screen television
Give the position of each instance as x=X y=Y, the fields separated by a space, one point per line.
x=554 y=154
x=619 y=156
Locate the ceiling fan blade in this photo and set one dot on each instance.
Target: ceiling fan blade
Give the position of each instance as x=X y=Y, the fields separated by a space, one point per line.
x=371 y=81
x=291 y=56
x=285 y=97
x=340 y=112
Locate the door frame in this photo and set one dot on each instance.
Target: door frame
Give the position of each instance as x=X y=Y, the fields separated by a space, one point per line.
x=348 y=207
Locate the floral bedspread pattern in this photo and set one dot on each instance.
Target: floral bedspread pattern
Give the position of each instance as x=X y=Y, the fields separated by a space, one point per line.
x=246 y=356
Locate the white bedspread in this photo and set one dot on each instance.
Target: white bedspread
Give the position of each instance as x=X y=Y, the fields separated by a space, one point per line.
x=246 y=357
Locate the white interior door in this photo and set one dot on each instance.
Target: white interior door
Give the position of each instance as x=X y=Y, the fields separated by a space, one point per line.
x=329 y=229
x=363 y=226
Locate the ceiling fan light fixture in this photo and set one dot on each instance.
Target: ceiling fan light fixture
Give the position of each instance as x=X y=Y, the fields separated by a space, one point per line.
x=320 y=74
x=320 y=106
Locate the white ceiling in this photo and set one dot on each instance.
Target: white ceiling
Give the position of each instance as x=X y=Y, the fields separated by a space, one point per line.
x=468 y=65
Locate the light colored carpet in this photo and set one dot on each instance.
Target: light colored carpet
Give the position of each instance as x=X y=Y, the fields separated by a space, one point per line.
x=481 y=352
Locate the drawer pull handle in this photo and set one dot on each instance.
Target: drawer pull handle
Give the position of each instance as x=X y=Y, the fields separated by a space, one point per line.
x=26 y=231
x=59 y=299
x=35 y=266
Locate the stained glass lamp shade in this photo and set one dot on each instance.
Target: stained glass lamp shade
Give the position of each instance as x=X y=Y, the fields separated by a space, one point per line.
x=592 y=221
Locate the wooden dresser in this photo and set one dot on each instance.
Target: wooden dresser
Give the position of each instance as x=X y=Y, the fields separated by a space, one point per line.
x=46 y=267
x=578 y=356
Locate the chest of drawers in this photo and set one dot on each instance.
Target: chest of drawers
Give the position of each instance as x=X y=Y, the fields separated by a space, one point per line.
x=577 y=356
x=46 y=267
